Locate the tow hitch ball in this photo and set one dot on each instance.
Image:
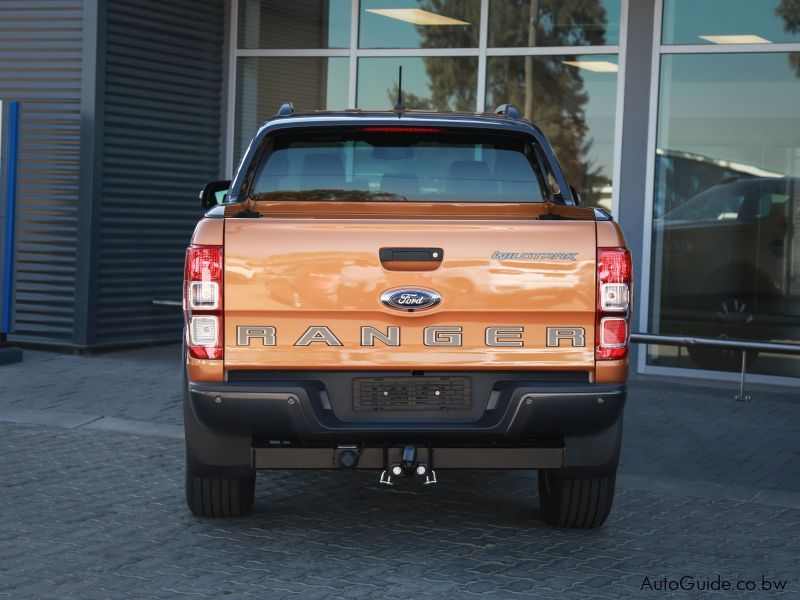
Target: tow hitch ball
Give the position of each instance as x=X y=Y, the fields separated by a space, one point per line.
x=407 y=467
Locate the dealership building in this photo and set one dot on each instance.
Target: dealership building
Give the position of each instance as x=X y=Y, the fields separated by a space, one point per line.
x=680 y=117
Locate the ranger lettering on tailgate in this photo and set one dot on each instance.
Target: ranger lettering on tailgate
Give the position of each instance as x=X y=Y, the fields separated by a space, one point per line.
x=495 y=336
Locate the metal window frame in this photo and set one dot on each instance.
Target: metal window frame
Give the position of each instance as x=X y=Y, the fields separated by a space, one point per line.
x=482 y=52
x=659 y=50
x=230 y=80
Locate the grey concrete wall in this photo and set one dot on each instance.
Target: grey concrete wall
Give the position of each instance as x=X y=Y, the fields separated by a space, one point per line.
x=633 y=182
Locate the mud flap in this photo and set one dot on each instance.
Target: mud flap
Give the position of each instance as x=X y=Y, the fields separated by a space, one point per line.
x=210 y=454
x=594 y=453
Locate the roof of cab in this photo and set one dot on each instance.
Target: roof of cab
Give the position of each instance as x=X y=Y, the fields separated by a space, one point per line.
x=429 y=117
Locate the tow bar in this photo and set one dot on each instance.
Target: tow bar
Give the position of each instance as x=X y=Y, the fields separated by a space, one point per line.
x=408 y=466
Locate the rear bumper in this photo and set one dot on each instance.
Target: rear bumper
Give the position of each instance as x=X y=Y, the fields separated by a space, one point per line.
x=294 y=420
x=538 y=424
x=305 y=412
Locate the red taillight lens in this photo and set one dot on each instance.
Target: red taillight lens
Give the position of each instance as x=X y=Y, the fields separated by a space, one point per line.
x=614 y=272
x=614 y=265
x=202 y=301
x=613 y=338
x=203 y=263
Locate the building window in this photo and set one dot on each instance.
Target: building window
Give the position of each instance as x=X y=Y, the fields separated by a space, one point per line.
x=419 y=24
x=731 y=21
x=429 y=82
x=573 y=99
x=263 y=84
x=535 y=23
x=725 y=249
x=311 y=52
x=294 y=23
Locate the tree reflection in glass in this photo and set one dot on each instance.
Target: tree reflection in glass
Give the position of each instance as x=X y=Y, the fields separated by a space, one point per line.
x=789 y=11
x=550 y=91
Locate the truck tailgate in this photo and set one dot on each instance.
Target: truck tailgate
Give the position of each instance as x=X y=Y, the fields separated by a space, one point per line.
x=294 y=273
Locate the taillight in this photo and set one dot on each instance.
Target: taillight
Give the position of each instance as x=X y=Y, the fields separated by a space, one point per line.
x=202 y=301
x=614 y=270
x=400 y=129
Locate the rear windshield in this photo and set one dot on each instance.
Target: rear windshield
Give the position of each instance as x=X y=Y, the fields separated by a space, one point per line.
x=405 y=164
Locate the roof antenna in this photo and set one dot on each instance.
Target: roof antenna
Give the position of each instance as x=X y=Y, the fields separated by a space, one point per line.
x=400 y=106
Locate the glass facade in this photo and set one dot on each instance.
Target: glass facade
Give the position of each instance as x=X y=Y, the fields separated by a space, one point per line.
x=553 y=23
x=303 y=51
x=419 y=24
x=294 y=24
x=573 y=99
x=731 y=21
x=725 y=252
x=429 y=82
x=263 y=84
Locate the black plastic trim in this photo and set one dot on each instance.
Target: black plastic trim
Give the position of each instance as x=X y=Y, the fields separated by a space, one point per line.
x=294 y=409
x=410 y=254
x=601 y=214
x=439 y=457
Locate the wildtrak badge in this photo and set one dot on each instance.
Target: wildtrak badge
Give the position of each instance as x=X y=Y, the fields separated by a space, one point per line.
x=501 y=256
x=440 y=335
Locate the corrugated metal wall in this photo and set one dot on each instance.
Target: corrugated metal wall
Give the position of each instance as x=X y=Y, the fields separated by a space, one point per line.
x=40 y=65
x=162 y=140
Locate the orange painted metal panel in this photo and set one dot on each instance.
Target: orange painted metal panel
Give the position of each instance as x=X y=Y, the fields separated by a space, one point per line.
x=204 y=370
x=611 y=371
x=301 y=265
x=609 y=235
x=209 y=232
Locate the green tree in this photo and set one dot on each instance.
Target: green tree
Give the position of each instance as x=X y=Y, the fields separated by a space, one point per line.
x=453 y=82
x=789 y=11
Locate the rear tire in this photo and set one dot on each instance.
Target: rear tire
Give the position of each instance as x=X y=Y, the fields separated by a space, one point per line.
x=576 y=501
x=220 y=497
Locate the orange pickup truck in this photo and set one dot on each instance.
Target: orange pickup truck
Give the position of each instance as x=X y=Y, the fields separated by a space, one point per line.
x=408 y=292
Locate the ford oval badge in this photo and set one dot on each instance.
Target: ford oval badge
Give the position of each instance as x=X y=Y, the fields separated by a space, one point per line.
x=410 y=299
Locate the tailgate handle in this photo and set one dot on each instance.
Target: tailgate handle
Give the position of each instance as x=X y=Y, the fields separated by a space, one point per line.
x=411 y=254
x=411 y=259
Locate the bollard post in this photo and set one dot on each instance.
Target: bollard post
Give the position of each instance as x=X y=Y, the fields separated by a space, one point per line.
x=741 y=396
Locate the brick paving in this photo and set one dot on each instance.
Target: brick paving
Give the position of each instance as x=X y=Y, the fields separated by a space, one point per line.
x=708 y=487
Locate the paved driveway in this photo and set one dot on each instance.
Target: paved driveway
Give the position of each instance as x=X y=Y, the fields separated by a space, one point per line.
x=91 y=478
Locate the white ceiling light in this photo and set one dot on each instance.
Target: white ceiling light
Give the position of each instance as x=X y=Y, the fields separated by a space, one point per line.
x=735 y=39
x=598 y=66
x=416 y=16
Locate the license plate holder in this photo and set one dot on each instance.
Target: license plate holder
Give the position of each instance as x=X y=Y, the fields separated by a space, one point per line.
x=411 y=393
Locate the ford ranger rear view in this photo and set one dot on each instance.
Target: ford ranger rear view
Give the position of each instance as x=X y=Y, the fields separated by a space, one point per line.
x=407 y=292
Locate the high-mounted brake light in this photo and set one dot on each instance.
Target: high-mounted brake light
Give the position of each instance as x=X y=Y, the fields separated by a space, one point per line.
x=393 y=129
x=202 y=301
x=614 y=270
